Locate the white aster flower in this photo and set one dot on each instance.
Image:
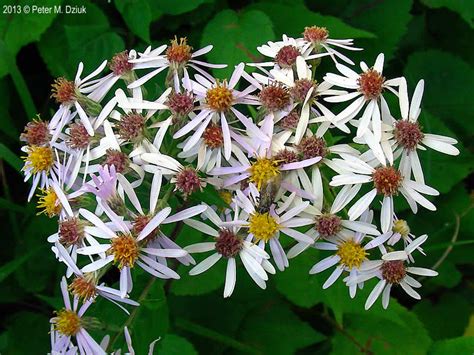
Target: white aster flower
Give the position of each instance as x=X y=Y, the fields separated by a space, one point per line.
x=392 y=270
x=387 y=181
x=229 y=244
x=368 y=87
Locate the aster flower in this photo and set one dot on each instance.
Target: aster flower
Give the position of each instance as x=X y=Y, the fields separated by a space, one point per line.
x=284 y=53
x=318 y=39
x=350 y=252
x=304 y=92
x=407 y=136
x=218 y=99
x=83 y=95
x=393 y=270
x=229 y=244
x=187 y=179
x=329 y=225
x=266 y=221
x=368 y=87
x=139 y=219
x=388 y=182
x=70 y=323
x=85 y=286
x=126 y=249
x=178 y=57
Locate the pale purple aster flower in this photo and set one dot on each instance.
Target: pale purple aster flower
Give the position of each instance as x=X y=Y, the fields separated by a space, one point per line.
x=70 y=323
x=218 y=100
x=127 y=249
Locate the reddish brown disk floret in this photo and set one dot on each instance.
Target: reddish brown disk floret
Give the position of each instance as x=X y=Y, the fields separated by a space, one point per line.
x=286 y=56
x=78 y=136
x=116 y=158
x=36 y=133
x=120 y=64
x=387 y=180
x=393 y=271
x=228 y=244
x=313 y=146
x=274 y=97
x=328 y=225
x=371 y=84
x=408 y=134
x=213 y=137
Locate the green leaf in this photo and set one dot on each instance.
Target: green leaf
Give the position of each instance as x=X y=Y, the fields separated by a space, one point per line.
x=172 y=7
x=275 y=329
x=381 y=335
x=10 y=157
x=462 y=7
x=448 y=86
x=388 y=20
x=20 y=29
x=449 y=276
x=137 y=15
x=461 y=345
x=13 y=265
x=297 y=285
x=291 y=19
x=172 y=344
x=445 y=318
x=234 y=37
x=72 y=39
x=443 y=171
x=28 y=334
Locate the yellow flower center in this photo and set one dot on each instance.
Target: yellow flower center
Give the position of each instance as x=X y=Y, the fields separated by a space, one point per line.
x=226 y=196
x=125 y=250
x=263 y=170
x=263 y=226
x=67 y=322
x=401 y=226
x=219 y=98
x=48 y=203
x=40 y=158
x=352 y=254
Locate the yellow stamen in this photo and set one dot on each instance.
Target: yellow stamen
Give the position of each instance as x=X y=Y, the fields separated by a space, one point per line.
x=67 y=322
x=401 y=226
x=125 y=250
x=40 y=158
x=263 y=170
x=48 y=203
x=263 y=226
x=352 y=254
x=219 y=98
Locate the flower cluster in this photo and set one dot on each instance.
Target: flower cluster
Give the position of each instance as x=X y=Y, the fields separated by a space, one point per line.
x=249 y=161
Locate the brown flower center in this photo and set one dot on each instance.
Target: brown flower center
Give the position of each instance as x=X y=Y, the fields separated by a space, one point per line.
x=131 y=126
x=78 y=136
x=228 y=244
x=274 y=97
x=315 y=34
x=311 y=147
x=387 y=180
x=120 y=64
x=286 y=56
x=301 y=88
x=393 y=271
x=328 y=225
x=36 y=133
x=179 y=52
x=63 y=91
x=213 y=137
x=71 y=232
x=118 y=159
x=371 y=84
x=408 y=134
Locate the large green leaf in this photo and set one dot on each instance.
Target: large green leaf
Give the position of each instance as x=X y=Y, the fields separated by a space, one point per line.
x=235 y=38
x=296 y=284
x=172 y=344
x=137 y=15
x=448 y=86
x=445 y=318
x=21 y=328
x=275 y=329
x=461 y=345
x=72 y=39
x=172 y=7
x=381 y=335
x=465 y=8
x=19 y=28
x=291 y=19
